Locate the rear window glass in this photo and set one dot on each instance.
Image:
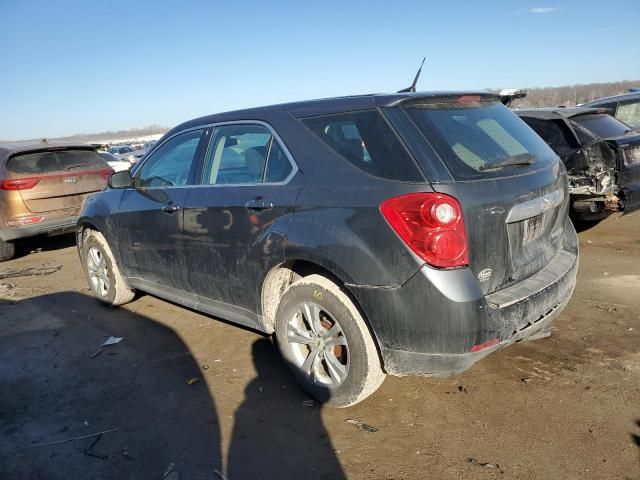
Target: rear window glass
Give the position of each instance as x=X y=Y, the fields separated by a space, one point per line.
x=55 y=161
x=366 y=140
x=629 y=113
x=480 y=139
x=603 y=125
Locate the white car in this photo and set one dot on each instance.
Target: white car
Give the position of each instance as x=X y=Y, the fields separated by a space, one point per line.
x=114 y=162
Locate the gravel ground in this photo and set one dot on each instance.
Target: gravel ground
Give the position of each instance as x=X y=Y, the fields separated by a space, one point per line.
x=185 y=396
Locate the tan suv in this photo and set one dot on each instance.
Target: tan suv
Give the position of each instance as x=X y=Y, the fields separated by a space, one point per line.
x=42 y=188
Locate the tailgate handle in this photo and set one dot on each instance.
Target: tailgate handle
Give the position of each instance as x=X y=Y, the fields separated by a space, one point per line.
x=535 y=207
x=170 y=207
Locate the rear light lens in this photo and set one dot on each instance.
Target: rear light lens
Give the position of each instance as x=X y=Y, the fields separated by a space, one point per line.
x=431 y=225
x=19 y=183
x=106 y=173
x=468 y=99
x=19 y=222
x=30 y=182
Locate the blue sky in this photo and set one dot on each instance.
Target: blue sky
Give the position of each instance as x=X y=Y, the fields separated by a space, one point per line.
x=83 y=66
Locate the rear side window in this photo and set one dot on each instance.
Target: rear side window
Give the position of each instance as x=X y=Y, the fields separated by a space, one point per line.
x=366 y=140
x=55 y=161
x=479 y=139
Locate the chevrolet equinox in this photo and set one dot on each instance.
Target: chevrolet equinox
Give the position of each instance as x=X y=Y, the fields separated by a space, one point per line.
x=402 y=234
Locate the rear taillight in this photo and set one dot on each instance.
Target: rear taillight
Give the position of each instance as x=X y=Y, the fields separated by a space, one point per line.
x=106 y=173
x=431 y=225
x=30 y=182
x=19 y=183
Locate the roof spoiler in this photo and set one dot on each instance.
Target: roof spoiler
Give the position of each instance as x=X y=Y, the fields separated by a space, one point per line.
x=510 y=94
x=412 y=87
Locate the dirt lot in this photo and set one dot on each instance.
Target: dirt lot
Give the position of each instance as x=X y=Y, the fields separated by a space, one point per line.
x=562 y=408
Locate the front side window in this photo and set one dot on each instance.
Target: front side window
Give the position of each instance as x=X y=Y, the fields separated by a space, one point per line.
x=244 y=154
x=365 y=140
x=170 y=164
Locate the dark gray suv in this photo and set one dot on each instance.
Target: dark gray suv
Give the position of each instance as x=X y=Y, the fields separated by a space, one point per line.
x=400 y=234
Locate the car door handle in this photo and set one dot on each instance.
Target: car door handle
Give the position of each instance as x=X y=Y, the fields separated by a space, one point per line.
x=170 y=208
x=258 y=204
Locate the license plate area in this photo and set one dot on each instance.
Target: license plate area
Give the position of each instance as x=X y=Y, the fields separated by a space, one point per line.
x=532 y=229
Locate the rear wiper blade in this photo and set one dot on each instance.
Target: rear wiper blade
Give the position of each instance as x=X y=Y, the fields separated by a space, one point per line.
x=71 y=167
x=521 y=159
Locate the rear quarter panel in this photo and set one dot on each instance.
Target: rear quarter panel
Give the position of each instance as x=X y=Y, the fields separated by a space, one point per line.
x=337 y=222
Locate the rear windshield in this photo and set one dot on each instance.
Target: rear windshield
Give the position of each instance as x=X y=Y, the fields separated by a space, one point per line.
x=602 y=124
x=55 y=161
x=480 y=139
x=365 y=139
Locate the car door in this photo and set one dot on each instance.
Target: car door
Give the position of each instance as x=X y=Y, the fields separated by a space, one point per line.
x=236 y=220
x=149 y=222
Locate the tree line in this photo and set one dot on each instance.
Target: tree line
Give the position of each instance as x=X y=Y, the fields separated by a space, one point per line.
x=571 y=95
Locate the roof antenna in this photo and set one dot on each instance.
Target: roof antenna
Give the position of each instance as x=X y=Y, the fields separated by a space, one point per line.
x=412 y=88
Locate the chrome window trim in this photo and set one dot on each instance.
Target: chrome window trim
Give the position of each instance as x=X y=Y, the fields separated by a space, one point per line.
x=532 y=208
x=273 y=132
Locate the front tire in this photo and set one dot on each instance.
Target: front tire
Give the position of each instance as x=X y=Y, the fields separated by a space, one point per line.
x=326 y=343
x=105 y=280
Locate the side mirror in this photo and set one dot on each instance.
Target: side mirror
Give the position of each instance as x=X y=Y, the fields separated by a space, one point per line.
x=120 y=179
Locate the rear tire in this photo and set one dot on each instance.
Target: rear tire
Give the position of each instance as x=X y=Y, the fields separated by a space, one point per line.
x=326 y=343
x=7 y=250
x=103 y=274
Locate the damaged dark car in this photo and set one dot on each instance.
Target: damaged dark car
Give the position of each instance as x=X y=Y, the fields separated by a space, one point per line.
x=380 y=234
x=601 y=154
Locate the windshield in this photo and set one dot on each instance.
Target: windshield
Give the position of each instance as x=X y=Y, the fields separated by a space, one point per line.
x=480 y=139
x=602 y=124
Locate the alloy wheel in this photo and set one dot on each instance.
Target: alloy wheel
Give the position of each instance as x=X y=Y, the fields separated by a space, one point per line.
x=319 y=347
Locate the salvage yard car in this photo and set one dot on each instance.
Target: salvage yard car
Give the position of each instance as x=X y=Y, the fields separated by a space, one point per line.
x=42 y=188
x=601 y=154
x=625 y=107
x=399 y=234
x=116 y=164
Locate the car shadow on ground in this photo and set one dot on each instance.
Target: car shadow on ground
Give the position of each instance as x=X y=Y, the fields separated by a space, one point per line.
x=58 y=384
x=275 y=435
x=44 y=243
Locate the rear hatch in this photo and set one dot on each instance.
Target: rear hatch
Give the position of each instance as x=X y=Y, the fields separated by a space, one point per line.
x=510 y=184
x=56 y=179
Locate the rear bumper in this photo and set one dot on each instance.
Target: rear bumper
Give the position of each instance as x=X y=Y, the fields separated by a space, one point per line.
x=429 y=325
x=49 y=227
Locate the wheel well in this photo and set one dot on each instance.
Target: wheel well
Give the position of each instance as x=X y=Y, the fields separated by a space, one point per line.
x=278 y=281
x=81 y=232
